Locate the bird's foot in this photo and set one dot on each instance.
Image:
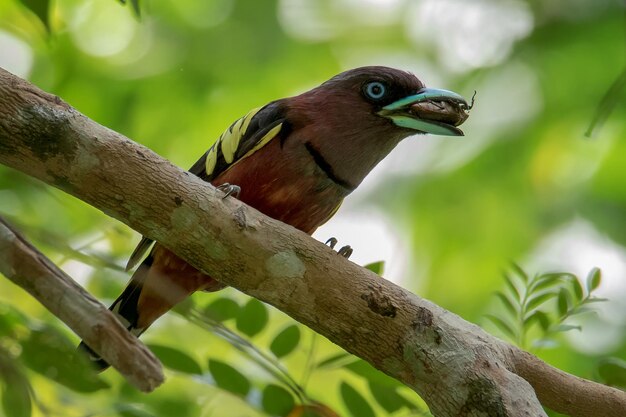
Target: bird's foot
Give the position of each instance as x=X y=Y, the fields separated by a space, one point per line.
x=345 y=251
x=230 y=189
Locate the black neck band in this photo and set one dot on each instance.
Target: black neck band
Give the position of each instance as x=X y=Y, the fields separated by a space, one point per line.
x=326 y=167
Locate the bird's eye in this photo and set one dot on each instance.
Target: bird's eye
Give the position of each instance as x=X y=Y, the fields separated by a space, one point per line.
x=375 y=90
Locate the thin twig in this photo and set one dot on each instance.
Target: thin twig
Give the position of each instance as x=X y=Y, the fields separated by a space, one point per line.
x=611 y=97
x=607 y=104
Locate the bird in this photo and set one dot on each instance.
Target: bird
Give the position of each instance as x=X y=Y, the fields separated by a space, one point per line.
x=295 y=160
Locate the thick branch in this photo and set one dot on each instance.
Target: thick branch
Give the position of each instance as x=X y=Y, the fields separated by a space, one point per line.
x=30 y=269
x=571 y=395
x=455 y=366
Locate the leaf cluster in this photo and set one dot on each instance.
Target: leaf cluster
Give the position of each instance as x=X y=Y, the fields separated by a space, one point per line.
x=30 y=347
x=544 y=302
x=281 y=393
x=41 y=9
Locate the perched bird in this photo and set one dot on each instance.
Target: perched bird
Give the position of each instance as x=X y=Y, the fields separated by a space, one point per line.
x=295 y=160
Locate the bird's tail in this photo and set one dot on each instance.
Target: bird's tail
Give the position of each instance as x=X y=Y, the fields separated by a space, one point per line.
x=126 y=311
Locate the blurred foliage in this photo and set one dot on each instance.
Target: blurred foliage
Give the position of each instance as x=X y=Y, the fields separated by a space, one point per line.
x=523 y=184
x=546 y=301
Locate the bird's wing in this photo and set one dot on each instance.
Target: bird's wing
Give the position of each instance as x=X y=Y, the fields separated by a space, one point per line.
x=245 y=136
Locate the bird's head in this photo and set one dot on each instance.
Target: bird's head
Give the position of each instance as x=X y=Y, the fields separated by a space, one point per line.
x=360 y=115
x=393 y=95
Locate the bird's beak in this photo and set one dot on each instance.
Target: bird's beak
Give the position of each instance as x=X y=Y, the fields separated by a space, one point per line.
x=429 y=111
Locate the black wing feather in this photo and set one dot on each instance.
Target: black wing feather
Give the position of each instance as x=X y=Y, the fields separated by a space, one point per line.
x=263 y=121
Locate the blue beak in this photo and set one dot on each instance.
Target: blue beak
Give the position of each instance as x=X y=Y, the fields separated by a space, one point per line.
x=429 y=111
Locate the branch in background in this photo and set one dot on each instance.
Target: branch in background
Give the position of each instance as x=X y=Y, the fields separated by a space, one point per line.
x=30 y=269
x=607 y=104
x=50 y=239
x=455 y=366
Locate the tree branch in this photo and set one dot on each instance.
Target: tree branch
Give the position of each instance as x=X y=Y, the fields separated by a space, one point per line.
x=454 y=365
x=567 y=393
x=23 y=264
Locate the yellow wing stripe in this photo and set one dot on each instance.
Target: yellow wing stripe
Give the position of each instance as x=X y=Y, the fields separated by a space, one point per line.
x=266 y=138
x=228 y=141
x=211 y=160
x=232 y=136
x=247 y=118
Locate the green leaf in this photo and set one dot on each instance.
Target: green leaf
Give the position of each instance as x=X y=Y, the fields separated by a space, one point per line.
x=519 y=271
x=567 y=328
x=596 y=300
x=7 y=328
x=355 y=403
x=559 y=275
x=286 y=341
x=41 y=8
x=577 y=289
x=176 y=360
x=388 y=398
x=15 y=392
x=127 y=410
x=563 y=302
x=252 y=317
x=532 y=318
x=50 y=353
x=277 y=401
x=136 y=8
x=613 y=372
x=594 y=278
x=222 y=309
x=540 y=317
x=334 y=360
x=371 y=374
x=315 y=409
x=228 y=378
x=502 y=325
x=376 y=267
x=10 y=320
x=514 y=291
x=537 y=300
x=506 y=301
x=545 y=281
x=581 y=310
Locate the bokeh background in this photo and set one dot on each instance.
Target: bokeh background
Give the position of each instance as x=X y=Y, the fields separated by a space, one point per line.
x=446 y=215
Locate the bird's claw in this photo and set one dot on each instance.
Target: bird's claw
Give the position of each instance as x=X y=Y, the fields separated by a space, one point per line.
x=345 y=251
x=229 y=189
x=331 y=242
